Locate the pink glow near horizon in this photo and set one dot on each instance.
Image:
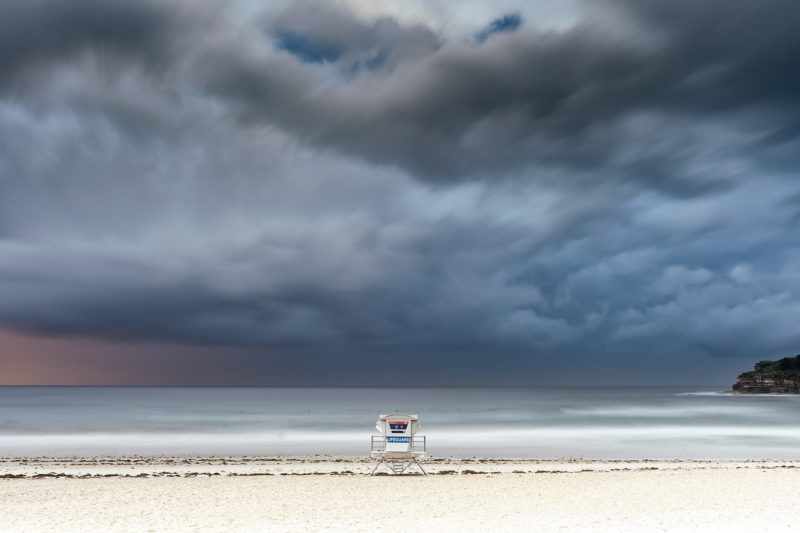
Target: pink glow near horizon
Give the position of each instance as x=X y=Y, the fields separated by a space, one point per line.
x=29 y=359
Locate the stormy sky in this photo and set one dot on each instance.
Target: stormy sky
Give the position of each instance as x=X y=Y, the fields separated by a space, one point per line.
x=398 y=192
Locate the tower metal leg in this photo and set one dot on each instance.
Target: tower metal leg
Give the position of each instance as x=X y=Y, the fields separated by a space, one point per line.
x=420 y=467
x=376 y=467
x=397 y=467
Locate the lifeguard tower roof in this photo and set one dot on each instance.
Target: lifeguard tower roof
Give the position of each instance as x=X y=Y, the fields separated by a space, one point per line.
x=397 y=416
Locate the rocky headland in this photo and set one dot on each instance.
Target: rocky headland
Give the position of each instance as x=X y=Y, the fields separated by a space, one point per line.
x=771 y=377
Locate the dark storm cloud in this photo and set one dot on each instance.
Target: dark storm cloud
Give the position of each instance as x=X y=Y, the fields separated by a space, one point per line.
x=547 y=98
x=387 y=304
x=450 y=111
x=39 y=33
x=618 y=194
x=731 y=55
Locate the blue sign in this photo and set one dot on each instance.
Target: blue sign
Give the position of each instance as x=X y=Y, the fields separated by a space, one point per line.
x=398 y=439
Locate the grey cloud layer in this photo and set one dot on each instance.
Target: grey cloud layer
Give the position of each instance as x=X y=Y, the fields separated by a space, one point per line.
x=551 y=98
x=621 y=192
x=456 y=110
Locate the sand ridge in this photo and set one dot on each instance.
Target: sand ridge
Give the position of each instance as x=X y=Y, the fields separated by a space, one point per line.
x=143 y=466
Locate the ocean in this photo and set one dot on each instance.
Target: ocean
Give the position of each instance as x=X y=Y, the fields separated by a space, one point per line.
x=591 y=423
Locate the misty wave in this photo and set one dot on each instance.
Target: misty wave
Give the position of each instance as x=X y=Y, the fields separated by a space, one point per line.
x=184 y=443
x=732 y=394
x=706 y=393
x=589 y=423
x=668 y=411
x=669 y=441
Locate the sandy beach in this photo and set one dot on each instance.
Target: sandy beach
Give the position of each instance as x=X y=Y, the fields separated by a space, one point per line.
x=336 y=494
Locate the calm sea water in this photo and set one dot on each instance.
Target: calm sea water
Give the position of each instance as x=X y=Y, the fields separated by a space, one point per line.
x=559 y=422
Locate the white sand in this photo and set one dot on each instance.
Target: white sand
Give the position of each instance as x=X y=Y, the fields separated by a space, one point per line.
x=251 y=494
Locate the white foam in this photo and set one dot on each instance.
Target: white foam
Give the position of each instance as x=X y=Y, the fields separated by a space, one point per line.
x=668 y=411
x=665 y=441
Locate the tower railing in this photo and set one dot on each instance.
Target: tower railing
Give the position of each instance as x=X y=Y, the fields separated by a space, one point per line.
x=418 y=443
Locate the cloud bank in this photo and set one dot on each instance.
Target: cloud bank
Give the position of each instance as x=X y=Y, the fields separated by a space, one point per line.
x=315 y=181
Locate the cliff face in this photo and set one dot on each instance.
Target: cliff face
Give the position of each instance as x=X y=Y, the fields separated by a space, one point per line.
x=781 y=376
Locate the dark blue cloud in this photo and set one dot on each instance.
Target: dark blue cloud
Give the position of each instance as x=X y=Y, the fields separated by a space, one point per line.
x=506 y=23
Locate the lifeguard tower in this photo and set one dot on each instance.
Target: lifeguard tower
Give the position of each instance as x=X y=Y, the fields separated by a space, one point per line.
x=398 y=446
